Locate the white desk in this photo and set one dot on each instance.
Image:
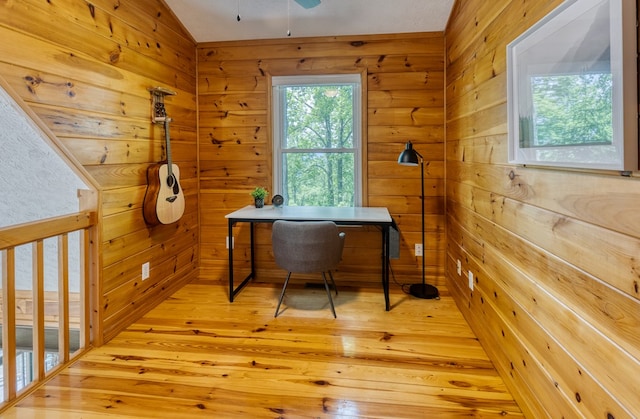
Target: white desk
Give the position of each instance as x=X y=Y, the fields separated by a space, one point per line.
x=375 y=216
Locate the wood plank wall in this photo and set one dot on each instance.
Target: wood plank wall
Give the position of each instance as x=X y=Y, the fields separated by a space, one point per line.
x=84 y=68
x=404 y=85
x=554 y=253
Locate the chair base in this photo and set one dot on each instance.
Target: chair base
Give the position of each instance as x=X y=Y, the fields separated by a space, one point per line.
x=424 y=291
x=326 y=286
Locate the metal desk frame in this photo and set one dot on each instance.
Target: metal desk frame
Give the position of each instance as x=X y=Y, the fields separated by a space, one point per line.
x=356 y=216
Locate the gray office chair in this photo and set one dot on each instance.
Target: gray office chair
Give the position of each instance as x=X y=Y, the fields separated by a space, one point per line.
x=306 y=247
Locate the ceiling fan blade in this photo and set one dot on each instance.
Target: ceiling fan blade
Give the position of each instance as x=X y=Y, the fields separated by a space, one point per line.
x=308 y=4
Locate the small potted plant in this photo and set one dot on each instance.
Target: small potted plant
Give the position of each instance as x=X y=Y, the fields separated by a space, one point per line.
x=259 y=194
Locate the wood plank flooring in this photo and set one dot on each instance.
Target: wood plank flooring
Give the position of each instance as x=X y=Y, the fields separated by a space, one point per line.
x=198 y=356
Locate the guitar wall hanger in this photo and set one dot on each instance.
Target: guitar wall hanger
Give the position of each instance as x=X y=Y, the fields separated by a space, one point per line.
x=158 y=111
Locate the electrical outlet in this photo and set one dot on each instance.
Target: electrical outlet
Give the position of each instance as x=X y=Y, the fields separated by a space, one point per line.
x=471 y=280
x=145 y=270
x=418 y=249
x=233 y=242
x=459 y=268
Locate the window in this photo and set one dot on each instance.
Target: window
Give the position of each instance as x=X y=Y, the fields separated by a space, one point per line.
x=317 y=140
x=572 y=88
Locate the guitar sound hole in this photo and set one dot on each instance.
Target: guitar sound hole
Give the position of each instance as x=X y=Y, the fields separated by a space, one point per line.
x=173 y=184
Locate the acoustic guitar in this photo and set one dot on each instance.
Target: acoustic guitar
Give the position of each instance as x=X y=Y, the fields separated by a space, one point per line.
x=164 y=200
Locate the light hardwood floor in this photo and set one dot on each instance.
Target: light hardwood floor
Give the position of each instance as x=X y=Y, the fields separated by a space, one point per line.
x=198 y=356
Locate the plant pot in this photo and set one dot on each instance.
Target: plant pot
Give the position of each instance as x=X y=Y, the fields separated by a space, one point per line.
x=259 y=202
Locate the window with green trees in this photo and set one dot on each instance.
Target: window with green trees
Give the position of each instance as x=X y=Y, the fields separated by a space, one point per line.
x=316 y=140
x=572 y=88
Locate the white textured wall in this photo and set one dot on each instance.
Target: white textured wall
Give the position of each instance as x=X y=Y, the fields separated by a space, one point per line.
x=35 y=183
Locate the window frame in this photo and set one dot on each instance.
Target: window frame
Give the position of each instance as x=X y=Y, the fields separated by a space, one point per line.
x=622 y=46
x=277 y=104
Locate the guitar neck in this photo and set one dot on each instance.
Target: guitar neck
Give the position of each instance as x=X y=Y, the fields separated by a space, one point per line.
x=167 y=140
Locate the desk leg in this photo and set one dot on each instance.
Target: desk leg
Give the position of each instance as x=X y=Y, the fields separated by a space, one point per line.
x=230 y=247
x=233 y=291
x=385 y=265
x=253 y=259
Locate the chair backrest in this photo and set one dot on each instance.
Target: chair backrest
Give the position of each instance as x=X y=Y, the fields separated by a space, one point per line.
x=307 y=246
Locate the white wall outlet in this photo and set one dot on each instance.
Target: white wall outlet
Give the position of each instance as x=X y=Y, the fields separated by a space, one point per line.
x=145 y=270
x=233 y=242
x=418 y=249
x=459 y=268
x=471 y=280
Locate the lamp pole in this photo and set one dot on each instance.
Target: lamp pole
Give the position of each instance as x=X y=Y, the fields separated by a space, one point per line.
x=424 y=250
x=410 y=157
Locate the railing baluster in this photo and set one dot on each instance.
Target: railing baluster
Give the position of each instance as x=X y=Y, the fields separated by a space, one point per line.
x=85 y=274
x=63 y=298
x=9 y=322
x=38 y=310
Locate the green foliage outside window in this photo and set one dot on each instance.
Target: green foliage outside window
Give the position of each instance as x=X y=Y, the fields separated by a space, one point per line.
x=573 y=109
x=318 y=159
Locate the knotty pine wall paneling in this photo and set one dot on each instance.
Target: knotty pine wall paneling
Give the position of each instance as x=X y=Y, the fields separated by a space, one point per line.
x=554 y=253
x=404 y=100
x=84 y=68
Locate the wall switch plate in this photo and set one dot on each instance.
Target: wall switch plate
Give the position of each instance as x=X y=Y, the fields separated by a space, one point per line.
x=471 y=280
x=145 y=270
x=233 y=242
x=459 y=268
x=418 y=249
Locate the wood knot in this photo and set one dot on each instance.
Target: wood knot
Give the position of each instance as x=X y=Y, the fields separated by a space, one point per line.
x=512 y=175
x=461 y=384
x=33 y=80
x=114 y=57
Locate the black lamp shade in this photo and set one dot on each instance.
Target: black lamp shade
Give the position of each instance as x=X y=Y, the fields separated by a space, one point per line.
x=409 y=157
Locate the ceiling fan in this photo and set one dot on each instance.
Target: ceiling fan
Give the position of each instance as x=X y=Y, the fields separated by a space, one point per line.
x=308 y=4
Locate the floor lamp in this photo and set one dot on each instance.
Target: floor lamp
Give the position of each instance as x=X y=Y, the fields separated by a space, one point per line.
x=410 y=157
